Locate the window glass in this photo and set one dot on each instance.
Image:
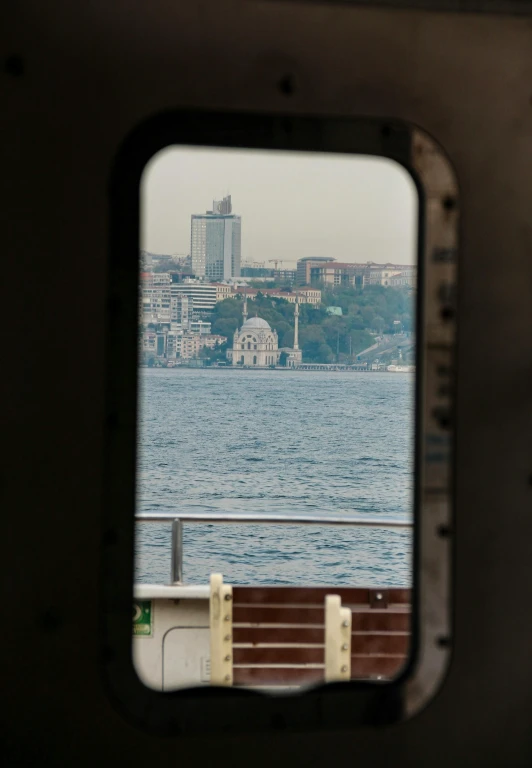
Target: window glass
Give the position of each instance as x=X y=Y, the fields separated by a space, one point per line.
x=310 y=423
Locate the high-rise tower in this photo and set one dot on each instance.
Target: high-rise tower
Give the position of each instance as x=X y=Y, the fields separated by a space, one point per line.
x=215 y=242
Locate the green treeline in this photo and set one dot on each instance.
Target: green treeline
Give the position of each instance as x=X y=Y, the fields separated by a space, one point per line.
x=325 y=337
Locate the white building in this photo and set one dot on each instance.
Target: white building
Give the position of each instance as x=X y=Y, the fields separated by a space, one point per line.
x=177 y=343
x=201 y=295
x=155 y=298
x=180 y=307
x=256 y=345
x=200 y=326
x=213 y=340
x=303 y=295
x=215 y=242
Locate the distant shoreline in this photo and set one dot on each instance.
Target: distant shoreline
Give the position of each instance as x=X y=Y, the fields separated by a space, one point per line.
x=278 y=368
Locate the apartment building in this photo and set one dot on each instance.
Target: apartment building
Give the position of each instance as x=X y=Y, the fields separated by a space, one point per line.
x=338 y=274
x=155 y=298
x=306 y=295
x=202 y=295
x=304 y=266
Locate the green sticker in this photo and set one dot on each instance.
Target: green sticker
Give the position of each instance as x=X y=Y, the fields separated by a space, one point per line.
x=142 y=618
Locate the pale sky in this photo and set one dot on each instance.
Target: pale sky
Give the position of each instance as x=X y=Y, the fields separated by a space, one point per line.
x=348 y=208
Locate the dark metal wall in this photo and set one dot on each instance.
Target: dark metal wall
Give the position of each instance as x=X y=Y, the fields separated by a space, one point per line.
x=77 y=77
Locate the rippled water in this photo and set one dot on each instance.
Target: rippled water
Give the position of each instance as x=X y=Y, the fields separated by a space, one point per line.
x=281 y=442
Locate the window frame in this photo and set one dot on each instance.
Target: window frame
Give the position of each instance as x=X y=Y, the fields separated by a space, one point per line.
x=344 y=705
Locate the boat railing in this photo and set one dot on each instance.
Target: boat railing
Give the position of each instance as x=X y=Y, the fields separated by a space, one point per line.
x=178 y=522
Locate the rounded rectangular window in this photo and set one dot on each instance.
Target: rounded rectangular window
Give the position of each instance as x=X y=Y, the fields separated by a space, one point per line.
x=294 y=321
x=317 y=435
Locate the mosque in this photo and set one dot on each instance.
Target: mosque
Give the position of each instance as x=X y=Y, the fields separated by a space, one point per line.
x=255 y=345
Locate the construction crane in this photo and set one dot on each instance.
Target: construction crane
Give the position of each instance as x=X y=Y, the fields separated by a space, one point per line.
x=276 y=262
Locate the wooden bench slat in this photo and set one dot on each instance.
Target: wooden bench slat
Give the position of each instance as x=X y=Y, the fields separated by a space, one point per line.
x=380 y=644
x=363 y=622
x=316 y=595
x=271 y=675
x=278 y=634
x=273 y=614
x=266 y=614
x=380 y=622
x=361 y=668
x=305 y=635
x=278 y=655
x=297 y=655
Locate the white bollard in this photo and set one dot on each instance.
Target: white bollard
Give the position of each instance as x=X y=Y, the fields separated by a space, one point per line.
x=221 y=635
x=337 y=640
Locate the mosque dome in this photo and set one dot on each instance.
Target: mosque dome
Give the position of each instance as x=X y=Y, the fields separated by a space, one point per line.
x=256 y=322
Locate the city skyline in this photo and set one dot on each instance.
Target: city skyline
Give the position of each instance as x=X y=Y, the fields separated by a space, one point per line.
x=292 y=205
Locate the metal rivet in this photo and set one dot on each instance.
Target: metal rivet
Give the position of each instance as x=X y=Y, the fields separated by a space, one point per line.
x=228 y=658
x=228 y=597
x=286 y=85
x=228 y=678
x=449 y=202
x=378 y=596
x=344 y=668
x=345 y=623
x=227 y=618
x=345 y=647
x=227 y=638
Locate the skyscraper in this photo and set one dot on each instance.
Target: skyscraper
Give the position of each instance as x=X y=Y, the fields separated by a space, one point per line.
x=215 y=242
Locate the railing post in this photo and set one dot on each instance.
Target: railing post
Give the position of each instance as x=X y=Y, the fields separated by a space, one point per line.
x=337 y=640
x=177 y=552
x=221 y=631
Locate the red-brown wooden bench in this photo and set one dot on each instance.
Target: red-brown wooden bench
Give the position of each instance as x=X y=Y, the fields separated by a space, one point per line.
x=278 y=635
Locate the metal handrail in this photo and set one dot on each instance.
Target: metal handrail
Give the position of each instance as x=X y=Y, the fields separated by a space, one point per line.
x=195 y=517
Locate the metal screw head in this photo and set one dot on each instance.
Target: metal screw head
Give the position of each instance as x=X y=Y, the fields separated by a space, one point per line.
x=228 y=597
x=227 y=618
x=228 y=658
x=345 y=647
x=344 y=668
x=345 y=623
x=227 y=638
x=228 y=678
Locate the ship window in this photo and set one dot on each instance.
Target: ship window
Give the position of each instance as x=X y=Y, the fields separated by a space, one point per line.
x=355 y=457
x=304 y=481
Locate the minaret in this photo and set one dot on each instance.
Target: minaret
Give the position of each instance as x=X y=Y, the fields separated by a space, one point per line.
x=296 y=323
x=245 y=307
